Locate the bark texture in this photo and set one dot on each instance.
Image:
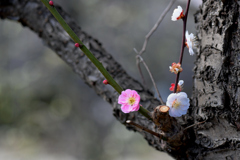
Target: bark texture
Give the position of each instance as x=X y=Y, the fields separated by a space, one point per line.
x=216 y=92
x=216 y=97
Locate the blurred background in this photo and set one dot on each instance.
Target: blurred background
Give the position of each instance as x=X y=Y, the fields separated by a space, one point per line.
x=42 y=100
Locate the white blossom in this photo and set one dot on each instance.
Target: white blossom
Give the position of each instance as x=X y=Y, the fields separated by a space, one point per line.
x=191 y=42
x=177 y=13
x=178 y=104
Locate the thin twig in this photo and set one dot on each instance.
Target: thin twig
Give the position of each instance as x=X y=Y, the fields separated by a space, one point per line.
x=139 y=69
x=140 y=59
x=155 y=26
x=183 y=43
x=147 y=130
x=150 y=74
x=193 y=125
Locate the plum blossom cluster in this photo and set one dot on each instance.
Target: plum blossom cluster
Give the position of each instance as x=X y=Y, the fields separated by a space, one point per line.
x=191 y=41
x=178 y=102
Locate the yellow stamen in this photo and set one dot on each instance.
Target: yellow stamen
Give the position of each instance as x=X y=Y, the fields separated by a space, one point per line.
x=131 y=100
x=176 y=103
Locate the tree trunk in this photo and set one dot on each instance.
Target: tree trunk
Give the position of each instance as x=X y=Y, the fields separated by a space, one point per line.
x=215 y=98
x=216 y=89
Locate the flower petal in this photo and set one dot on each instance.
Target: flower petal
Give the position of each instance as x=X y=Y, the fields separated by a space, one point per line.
x=191 y=52
x=177 y=14
x=125 y=108
x=135 y=107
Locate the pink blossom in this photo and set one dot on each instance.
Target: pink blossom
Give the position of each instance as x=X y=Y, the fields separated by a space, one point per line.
x=129 y=99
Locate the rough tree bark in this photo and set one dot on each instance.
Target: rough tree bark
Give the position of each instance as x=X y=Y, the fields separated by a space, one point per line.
x=216 y=96
x=216 y=92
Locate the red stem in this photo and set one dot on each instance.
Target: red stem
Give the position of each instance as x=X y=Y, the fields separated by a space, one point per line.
x=183 y=43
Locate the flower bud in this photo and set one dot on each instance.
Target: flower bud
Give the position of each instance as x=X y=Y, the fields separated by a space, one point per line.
x=77 y=45
x=175 y=68
x=105 y=82
x=51 y=3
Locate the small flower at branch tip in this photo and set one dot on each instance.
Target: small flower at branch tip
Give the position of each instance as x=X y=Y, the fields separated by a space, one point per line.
x=51 y=3
x=179 y=87
x=105 y=82
x=178 y=104
x=177 y=14
x=175 y=68
x=129 y=99
x=191 y=42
